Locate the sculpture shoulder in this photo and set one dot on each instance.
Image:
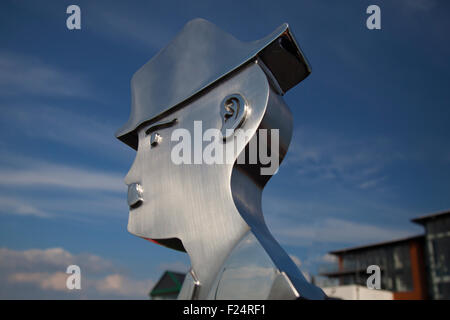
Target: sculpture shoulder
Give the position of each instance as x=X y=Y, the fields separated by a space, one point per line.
x=249 y=273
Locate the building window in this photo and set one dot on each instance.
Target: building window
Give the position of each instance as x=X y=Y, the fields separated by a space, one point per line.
x=442 y=256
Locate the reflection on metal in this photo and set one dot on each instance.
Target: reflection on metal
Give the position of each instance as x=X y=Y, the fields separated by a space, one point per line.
x=233 y=110
x=213 y=212
x=155 y=138
x=134 y=195
x=199 y=56
x=160 y=125
x=190 y=288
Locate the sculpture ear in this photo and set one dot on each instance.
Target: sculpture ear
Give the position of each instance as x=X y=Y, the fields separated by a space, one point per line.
x=233 y=110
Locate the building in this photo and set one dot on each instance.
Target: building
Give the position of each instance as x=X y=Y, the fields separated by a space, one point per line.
x=168 y=286
x=400 y=261
x=357 y=292
x=416 y=267
x=437 y=248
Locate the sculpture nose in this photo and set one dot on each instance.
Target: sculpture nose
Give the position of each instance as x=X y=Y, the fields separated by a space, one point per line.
x=135 y=195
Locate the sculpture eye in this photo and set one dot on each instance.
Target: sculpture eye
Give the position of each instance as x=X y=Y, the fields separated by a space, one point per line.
x=155 y=139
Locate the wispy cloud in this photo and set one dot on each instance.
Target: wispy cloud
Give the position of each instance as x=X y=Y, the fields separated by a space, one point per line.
x=418 y=5
x=321 y=156
x=62 y=176
x=329 y=222
x=63 y=126
x=339 y=203
x=64 y=191
x=371 y=183
x=80 y=206
x=335 y=231
x=126 y=25
x=15 y=206
x=29 y=75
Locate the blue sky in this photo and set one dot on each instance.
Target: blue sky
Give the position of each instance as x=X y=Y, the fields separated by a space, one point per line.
x=371 y=146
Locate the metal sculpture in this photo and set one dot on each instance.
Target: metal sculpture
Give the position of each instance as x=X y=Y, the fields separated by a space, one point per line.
x=213 y=211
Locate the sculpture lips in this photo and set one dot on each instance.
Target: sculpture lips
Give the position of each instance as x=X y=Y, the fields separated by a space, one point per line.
x=135 y=195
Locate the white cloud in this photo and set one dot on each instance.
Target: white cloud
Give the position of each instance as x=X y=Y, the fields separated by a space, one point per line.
x=62 y=176
x=120 y=285
x=14 y=206
x=332 y=230
x=321 y=156
x=66 y=127
x=78 y=206
x=371 y=183
x=51 y=259
x=28 y=75
x=90 y=193
x=314 y=263
x=46 y=281
x=40 y=273
x=113 y=284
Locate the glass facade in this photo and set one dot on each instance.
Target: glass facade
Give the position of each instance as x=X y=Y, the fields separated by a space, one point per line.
x=438 y=225
x=441 y=255
x=394 y=261
x=438 y=255
x=431 y=254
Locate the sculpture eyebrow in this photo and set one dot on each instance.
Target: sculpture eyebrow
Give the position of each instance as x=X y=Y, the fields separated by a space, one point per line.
x=161 y=125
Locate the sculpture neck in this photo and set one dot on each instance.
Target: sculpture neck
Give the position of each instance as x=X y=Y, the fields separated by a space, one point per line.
x=207 y=259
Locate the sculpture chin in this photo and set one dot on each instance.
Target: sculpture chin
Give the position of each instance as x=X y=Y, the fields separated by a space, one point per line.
x=172 y=243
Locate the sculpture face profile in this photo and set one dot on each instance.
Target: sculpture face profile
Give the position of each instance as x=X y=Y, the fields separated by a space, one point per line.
x=206 y=79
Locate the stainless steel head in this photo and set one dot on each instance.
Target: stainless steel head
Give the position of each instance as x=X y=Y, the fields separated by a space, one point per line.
x=199 y=56
x=192 y=202
x=206 y=209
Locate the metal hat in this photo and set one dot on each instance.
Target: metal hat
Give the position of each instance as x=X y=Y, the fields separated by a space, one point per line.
x=200 y=55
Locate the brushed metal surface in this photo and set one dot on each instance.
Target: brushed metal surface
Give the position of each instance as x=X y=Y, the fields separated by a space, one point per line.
x=194 y=203
x=213 y=211
x=200 y=55
x=210 y=208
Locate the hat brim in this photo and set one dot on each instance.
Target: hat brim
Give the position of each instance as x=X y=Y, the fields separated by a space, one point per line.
x=171 y=77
